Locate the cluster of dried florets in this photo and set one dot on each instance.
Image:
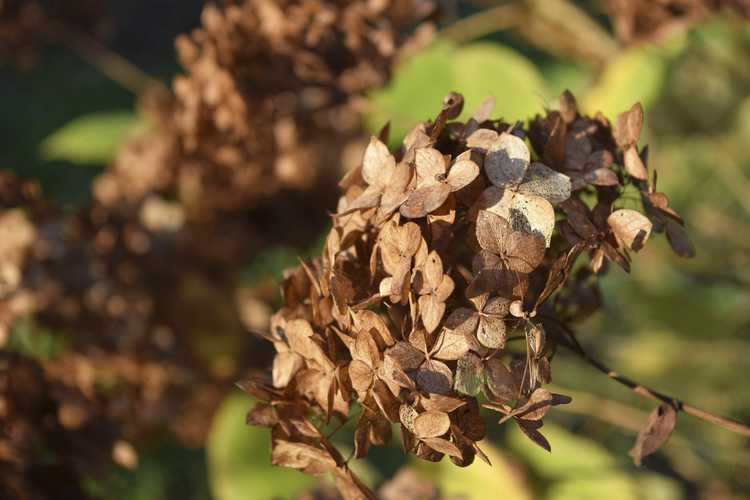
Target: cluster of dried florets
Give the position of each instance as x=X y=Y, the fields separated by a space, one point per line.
x=646 y=20
x=268 y=101
x=441 y=254
x=27 y=25
x=46 y=451
x=131 y=278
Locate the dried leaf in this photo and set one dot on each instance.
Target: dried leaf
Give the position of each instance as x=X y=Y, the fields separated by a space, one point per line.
x=660 y=424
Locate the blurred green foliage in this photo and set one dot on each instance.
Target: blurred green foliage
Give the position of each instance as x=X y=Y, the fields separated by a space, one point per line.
x=91 y=139
x=680 y=326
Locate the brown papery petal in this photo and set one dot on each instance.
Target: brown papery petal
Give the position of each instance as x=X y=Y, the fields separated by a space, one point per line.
x=378 y=163
x=431 y=424
x=424 y=200
x=452 y=345
x=432 y=311
x=507 y=160
x=631 y=228
x=524 y=212
x=634 y=165
x=443 y=446
x=540 y=180
x=491 y=332
x=629 y=124
x=435 y=377
x=445 y=289
x=462 y=173
x=433 y=270
x=482 y=139
x=491 y=231
x=430 y=165
x=405 y=356
x=524 y=251
x=500 y=381
x=361 y=376
x=285 y=365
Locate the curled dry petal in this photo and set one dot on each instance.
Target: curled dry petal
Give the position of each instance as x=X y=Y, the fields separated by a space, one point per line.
x=631 y=228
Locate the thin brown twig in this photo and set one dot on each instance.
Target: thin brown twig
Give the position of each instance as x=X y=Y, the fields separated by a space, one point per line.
x=647 y=392
x=483 y=23
x=113 y=65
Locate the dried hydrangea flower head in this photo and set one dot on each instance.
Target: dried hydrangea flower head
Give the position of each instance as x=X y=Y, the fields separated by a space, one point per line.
x=231 y=133
x=441 y=253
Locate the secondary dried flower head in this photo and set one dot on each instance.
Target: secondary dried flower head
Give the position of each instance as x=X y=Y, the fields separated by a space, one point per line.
x=441 y=254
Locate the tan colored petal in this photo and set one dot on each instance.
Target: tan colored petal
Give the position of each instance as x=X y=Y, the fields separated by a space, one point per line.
x=435 y=377
x=524 y=251
x=631 y=228
x=443 y=446
x=431 y=424
x=378 y=163
x=285 y=366
x=540 y=180
x=462 y=173
x=425 y=200
x=491 y=332
x=634 y=165
x=507 y=160
x=433 y=270
x=361 y=376
x=445 y=289
x=491 y=231
x=432 y=311
x=629 y=125
x=430 y=165
x=500 y=381
x=524 y=212
x=482 y=138
x=405 y=356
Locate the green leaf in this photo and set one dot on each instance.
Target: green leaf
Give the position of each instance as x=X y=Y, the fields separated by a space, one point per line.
x=239 y=458
x=477 y=481
x=90 y=139
x=476 y=70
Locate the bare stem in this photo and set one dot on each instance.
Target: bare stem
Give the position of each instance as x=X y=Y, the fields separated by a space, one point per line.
x=649 y=393
x=100 y=56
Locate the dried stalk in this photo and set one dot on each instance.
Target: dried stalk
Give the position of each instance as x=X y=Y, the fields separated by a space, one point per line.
x=731 y=425
x=113 y=65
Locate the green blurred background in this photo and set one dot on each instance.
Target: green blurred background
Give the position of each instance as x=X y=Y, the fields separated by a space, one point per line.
x=681 y=326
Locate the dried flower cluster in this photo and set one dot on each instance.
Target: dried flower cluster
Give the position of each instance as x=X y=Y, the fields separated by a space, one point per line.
x=647 y=20
x=40 y=414
x=267 y=103
x=448 y=276
x=26 y=25
x=141 y=280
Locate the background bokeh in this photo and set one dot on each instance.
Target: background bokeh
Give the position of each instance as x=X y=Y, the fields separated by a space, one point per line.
x=681 y=326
